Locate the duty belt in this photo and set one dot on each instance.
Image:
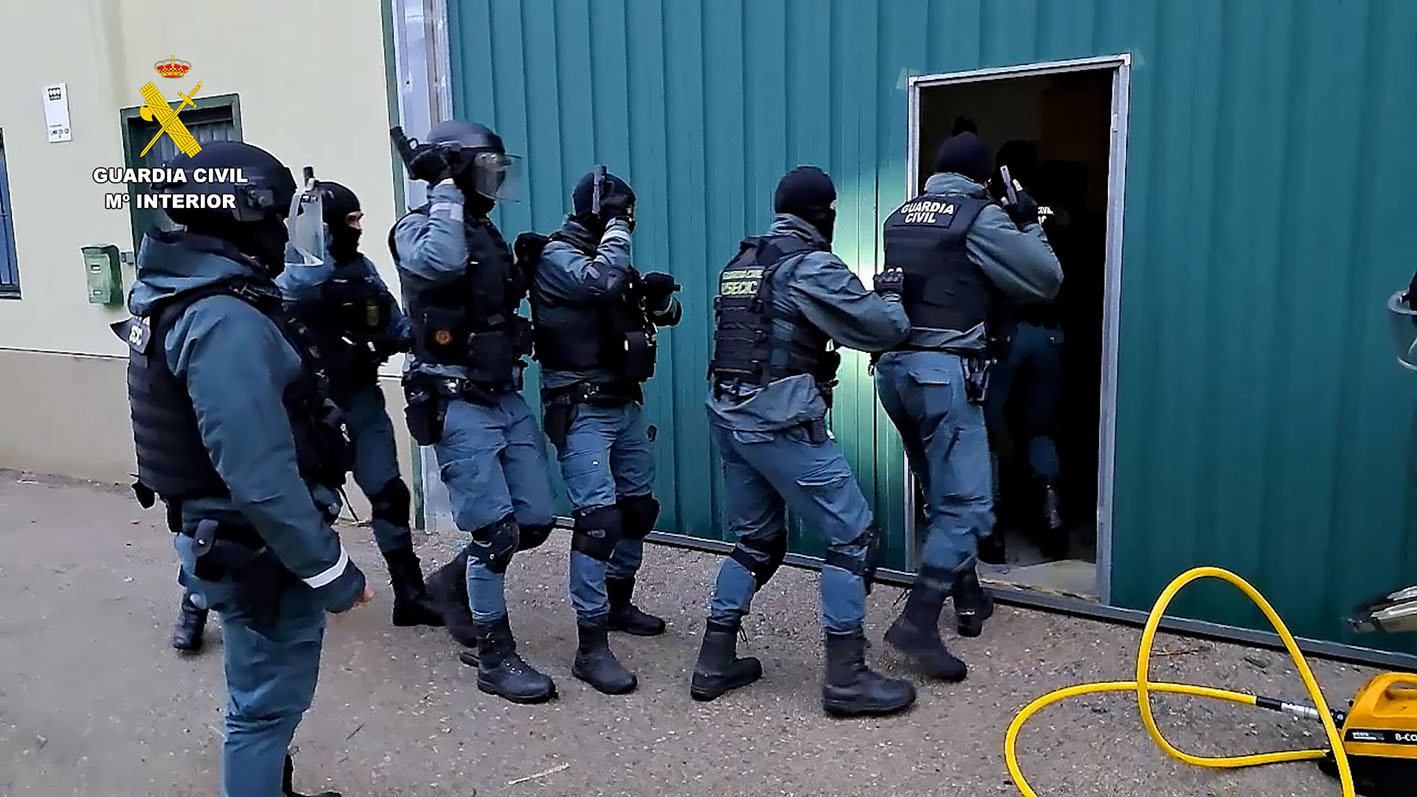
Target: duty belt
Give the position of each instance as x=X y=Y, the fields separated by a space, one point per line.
x=738 y=390
x=609 y=393
x=456 y=387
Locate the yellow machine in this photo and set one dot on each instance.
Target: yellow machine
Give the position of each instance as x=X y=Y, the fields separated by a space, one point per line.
x=1372 y=746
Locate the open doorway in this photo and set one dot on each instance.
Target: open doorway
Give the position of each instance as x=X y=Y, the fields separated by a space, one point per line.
x=1061 y=129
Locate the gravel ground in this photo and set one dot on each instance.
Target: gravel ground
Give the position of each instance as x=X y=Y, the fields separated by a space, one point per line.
x=93 y=702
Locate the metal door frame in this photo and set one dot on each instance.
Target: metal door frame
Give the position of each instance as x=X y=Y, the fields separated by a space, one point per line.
x=1120 y=66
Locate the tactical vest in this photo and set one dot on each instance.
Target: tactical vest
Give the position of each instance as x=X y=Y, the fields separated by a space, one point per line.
x=748 y=345
x=470 y=319
x=925 y=238
x=349 y=314
x=173 y=462
x=612 y=336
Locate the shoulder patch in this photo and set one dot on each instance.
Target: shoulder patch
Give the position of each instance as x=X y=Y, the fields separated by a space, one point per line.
x=136 y=332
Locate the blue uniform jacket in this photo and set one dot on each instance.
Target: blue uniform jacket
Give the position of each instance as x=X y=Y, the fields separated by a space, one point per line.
x=432 y=249
x=237 y=366
x=567 y=275
x=823 y=292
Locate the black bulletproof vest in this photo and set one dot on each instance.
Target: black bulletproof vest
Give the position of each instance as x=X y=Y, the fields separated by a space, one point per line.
x=590 y=336
x=746 y=344
x=346 y=314
x=470 y=319
x=944 y=289
x=172 y=460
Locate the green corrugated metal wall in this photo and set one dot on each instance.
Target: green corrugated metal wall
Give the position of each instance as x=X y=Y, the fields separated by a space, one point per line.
x=1262 y=424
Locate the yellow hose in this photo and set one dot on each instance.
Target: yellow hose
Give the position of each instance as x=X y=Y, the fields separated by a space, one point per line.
x=1143 y=688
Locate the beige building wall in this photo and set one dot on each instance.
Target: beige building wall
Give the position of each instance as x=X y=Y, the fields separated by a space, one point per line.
x=312 y=91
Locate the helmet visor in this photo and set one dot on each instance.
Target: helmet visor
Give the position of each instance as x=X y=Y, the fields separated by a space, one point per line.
x=1403 y=323
x=495 y=175
x=306 y=224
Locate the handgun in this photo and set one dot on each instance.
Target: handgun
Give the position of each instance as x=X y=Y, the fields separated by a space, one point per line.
x=595 y=189
x=1009 y=189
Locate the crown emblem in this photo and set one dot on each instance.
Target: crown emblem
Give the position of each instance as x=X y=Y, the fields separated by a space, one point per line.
x=172 y=67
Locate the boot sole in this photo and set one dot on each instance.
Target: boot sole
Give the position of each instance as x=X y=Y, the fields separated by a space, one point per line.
x=519 y=699
x=704 y=694
x=850 y=710
x=636 y=631
x=634 y=683
x=918 y=661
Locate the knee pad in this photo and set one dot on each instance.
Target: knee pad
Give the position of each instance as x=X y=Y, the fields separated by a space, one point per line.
x=597 y=531
x=638 y=513
x=534 y=536
x=391 y=503
x=763 y=561
x=863 y=564
x=494 y=545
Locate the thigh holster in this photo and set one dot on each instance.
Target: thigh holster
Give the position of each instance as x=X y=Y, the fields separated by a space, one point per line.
x=638 y=514
x=493 y=545
x=597 y=531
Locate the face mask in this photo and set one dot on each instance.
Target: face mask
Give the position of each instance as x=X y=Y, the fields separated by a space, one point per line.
x=265 y=240
x=824 y=219
x=344 y=243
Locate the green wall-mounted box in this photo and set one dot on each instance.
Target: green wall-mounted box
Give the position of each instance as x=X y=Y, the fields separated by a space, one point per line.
x=101 y=271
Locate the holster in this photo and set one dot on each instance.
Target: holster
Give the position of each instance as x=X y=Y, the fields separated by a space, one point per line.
x=976 y=377
x=425 y=409
x=557 y=422
x=256 y=573
x=817 y=431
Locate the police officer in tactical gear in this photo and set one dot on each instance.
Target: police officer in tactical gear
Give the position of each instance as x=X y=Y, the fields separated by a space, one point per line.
x=951 y=254
x=1025 y=400
x=462 y=290
x=594 y=317
x=357 y=325
x=234 y=432
x=784 y=303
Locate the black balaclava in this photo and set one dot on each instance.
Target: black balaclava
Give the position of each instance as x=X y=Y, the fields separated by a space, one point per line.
x=807 y=192
x=582 y=200
x=264 y=240
x=338 y=203
x=965 y=154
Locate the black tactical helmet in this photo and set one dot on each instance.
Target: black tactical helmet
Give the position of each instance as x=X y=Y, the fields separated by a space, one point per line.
x=338 y=202
x=266 y=192
x=476 y=157
x=456 y=134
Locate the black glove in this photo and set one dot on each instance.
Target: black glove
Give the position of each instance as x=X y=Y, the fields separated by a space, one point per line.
x=1025 y=211
x=430 y=165
x=618 y=206
x=656 y=287
x=890 y=283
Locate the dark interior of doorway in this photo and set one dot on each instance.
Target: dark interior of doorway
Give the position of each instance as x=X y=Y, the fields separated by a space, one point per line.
x=1065 y=118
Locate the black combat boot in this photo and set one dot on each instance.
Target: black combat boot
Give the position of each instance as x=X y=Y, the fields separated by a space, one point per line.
x=624 y=615
x=448 y=591
x=1054 y=544
x=972 y=604
x=916 y=632
x=851 y=688
x=412 y=606
x=596 y=663
x=719 y=669
x=191 y=625
x=500 y=671
x=287 y=787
